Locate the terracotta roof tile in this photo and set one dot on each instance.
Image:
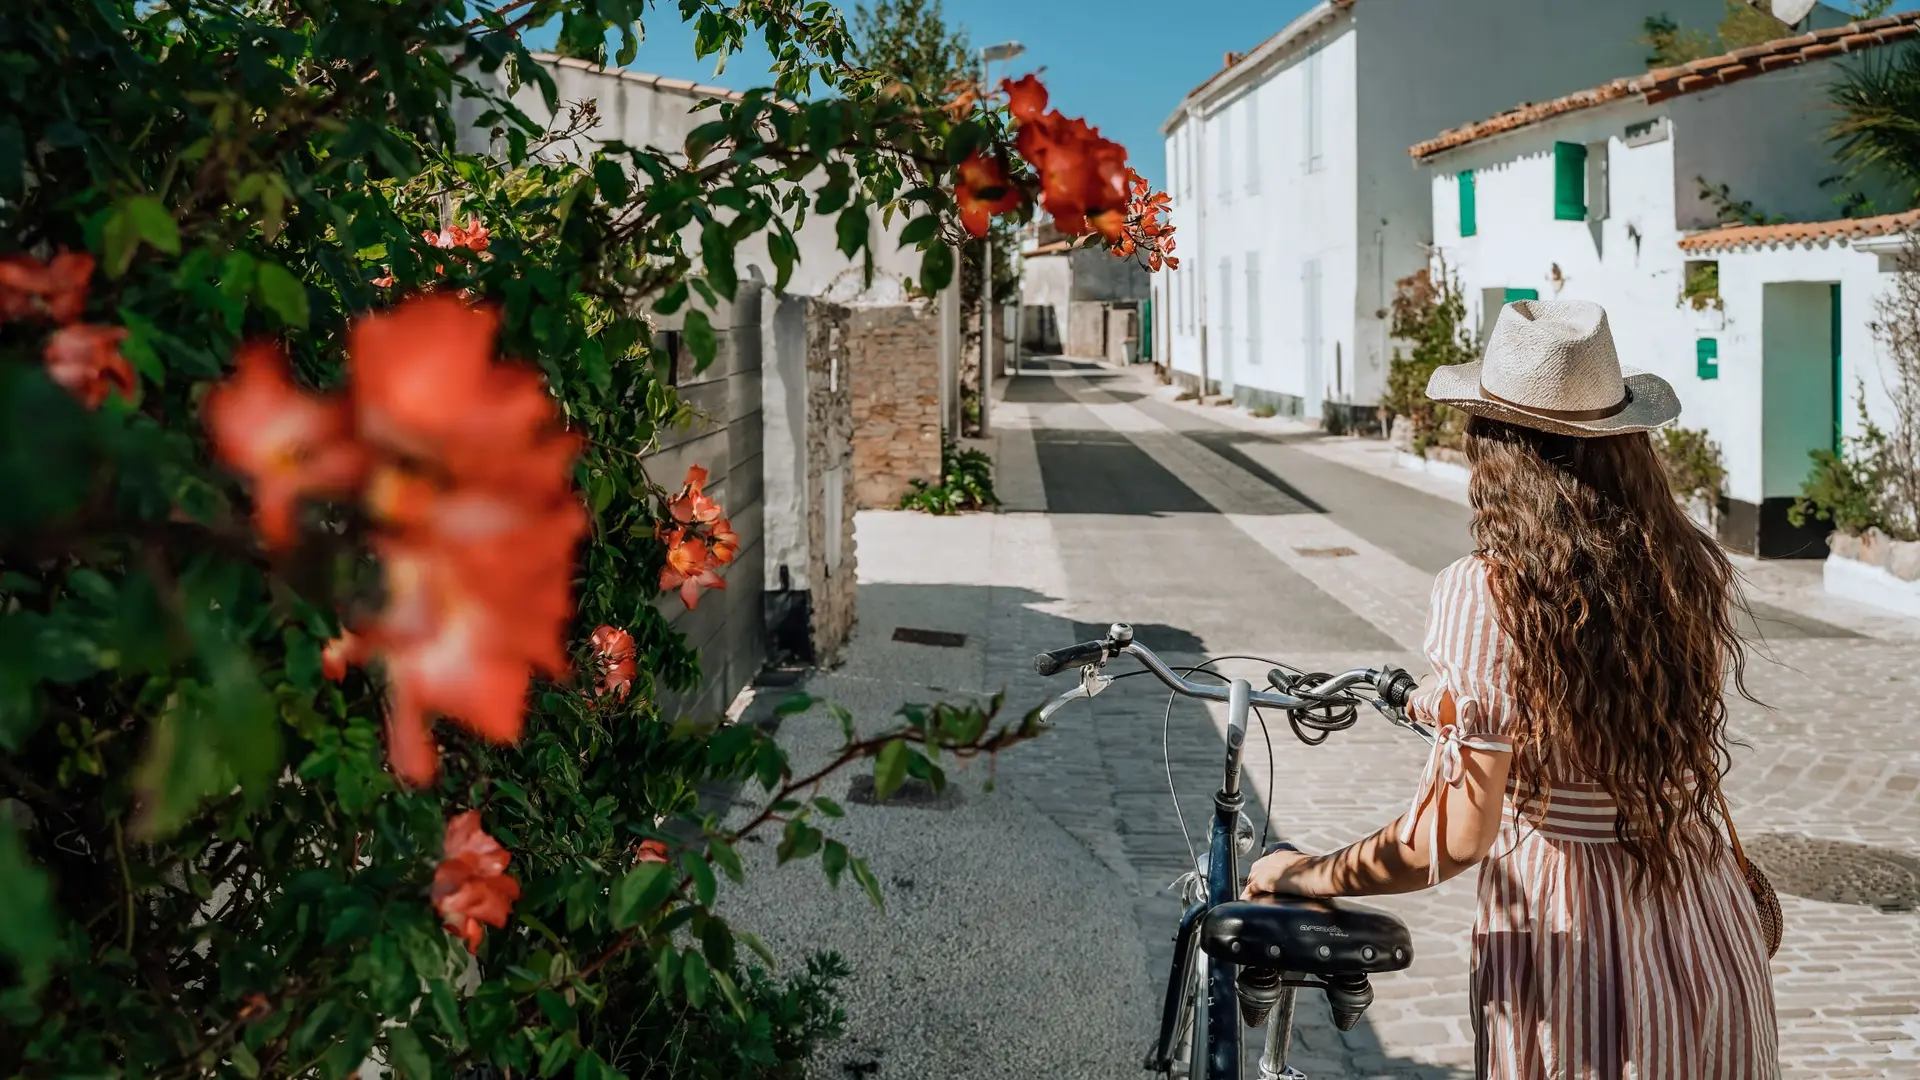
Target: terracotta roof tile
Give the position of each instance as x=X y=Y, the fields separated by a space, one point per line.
x=1703 y=74
x=1730 y=237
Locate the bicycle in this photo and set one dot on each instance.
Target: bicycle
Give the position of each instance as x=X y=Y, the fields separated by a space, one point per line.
x=1259 y=951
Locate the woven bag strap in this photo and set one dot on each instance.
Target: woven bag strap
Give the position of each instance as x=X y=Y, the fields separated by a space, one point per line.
x=1733 y=835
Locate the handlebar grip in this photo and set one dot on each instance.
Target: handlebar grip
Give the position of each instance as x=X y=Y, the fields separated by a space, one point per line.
x=1052 y=663
x=1398 y=690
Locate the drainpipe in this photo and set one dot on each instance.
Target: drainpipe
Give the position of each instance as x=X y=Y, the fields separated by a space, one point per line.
x=1200 y=235
x=950 y=356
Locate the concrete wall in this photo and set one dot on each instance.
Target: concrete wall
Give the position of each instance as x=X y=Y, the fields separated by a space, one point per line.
x=648 y=110
x=1046 y=286
x=729 y=626
x=893 y=363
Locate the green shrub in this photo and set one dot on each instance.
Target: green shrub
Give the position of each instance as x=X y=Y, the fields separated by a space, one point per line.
x=1849 y=489
x=206 y=866
x=966 y=483
x=1692 y=462
x=1430 y=311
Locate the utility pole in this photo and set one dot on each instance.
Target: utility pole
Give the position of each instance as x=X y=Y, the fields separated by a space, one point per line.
x=1006 y=50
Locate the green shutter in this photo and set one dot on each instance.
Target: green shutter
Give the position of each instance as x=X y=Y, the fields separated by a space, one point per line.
x=1521 y=294
x=1706 y=353
x=1569 y=181
x=1469 y=223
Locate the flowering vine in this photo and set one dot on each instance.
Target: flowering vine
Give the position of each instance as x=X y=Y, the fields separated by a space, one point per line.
x=462 y=467
x=471 y=885
x=84 y=358
x=701 y=541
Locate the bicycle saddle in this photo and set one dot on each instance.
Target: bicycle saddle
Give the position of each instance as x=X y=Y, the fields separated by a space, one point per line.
x=1311 y=937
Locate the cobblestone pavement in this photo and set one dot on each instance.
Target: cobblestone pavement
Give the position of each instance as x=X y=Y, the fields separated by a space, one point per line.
x=1215 y=534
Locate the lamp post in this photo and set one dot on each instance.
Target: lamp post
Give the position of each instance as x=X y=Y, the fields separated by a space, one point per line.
x=1006 y=50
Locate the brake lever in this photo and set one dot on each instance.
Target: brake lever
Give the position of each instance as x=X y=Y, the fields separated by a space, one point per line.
x=1091 y=683
x=1399 y=718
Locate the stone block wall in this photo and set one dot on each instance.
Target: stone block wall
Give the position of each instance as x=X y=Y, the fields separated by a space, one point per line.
x=893 y=369
x=831 y=565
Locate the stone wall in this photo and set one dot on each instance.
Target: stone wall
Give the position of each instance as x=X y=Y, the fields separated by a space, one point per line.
x=893 y=368
x=831 y=502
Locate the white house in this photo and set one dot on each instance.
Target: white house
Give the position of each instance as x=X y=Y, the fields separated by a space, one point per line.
x=1602 y=195
x=1296 y=206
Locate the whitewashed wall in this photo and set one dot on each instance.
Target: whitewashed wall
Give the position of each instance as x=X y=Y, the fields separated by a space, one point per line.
x=649 y=110
x=1744 y=276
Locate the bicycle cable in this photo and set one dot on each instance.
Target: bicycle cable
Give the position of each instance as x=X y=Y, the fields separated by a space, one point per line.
x=1166 y=729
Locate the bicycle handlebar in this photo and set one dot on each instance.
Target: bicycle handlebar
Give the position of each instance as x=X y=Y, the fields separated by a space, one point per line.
x=1052 y=663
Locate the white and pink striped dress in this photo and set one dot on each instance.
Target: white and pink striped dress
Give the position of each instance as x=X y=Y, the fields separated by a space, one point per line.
x=1576 y=976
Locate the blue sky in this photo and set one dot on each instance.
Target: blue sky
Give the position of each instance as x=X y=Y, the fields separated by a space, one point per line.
x=1122 y=64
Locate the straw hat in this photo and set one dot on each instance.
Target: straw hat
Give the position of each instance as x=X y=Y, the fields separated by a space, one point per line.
x=1550 y=365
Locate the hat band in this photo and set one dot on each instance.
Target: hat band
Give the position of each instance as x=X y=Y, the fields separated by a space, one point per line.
x=1575 y=415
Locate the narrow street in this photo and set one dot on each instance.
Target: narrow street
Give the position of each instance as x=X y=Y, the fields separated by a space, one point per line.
x=1027 y=929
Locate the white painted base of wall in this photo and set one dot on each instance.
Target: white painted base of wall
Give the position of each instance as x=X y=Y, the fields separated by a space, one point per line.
x=1864 y=583
x=1445 y=470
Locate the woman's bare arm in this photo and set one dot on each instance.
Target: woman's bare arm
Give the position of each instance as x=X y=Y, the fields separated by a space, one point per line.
x=1469 y=817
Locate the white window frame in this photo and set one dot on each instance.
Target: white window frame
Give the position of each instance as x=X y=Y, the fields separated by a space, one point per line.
x=1314 y=102
x=1251 y=272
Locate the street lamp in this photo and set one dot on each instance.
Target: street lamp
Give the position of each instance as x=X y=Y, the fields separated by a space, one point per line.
x=1006 y=50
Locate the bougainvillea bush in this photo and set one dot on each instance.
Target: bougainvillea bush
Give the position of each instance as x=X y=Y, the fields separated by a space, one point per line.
x=329 y=658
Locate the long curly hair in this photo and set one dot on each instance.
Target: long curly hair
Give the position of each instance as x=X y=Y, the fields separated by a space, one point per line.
x=1621 y=617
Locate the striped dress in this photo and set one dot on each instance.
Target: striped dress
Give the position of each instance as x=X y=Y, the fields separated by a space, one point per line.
x=1575 y=975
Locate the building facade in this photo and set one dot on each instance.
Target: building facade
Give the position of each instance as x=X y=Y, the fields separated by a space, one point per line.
x=1297 y=207
x=1616 y=194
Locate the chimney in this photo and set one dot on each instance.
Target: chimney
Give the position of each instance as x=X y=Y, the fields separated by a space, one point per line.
x=1233 y=58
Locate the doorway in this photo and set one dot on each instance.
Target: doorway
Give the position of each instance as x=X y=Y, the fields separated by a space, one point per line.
x=1800 y=395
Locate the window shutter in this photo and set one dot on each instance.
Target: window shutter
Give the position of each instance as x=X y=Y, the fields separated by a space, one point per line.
x=1521 y=294
x=1569 y=181
x=1706 y=352
x=1469 y=222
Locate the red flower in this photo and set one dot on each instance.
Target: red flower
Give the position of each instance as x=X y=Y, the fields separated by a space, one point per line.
x=722 y=542
x=650 y=851
x=1026 y=99
x=689 y=568
x=57 y=289
x=471 y=885
x=693 y=505
x=384 y=281
x=343 y=652
x=86 y=360
x=473 y=237
x=288 y=442
x=613 y=649
x=983 y=190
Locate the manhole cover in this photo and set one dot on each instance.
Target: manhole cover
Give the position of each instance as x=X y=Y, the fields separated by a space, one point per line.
x=1324 y=553
x=912 y=792
x=945 y=639
x=1838 y=872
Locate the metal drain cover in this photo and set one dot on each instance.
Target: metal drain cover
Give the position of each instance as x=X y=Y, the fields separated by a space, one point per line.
x=1838 y=872
x=1324 y=552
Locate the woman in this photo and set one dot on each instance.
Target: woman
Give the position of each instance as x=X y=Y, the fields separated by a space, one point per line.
x=1579 y=656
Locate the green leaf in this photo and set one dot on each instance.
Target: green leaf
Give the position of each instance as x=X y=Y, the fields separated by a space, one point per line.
x=728 y=860
x=243 y=1060
x=920 y=230
x=890 y=769
x=671 y=300
x=840 y=713
x=283 y=293
x=614 y=186
x=29 y=935
x=406 y=1053
x=644 y=889
x=852 y=229
x=697 y=978
x=698 y=334
x=754 y=943
x=785 y=253
x=152 y=223
x=864 y=875
x=829 y=807
x=936 y=269
x=793 y=705
x=834 y=860
x=556 y=1055
x=447 y=1012
x=716 y=255
x=798 y=841
x=704 y=886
